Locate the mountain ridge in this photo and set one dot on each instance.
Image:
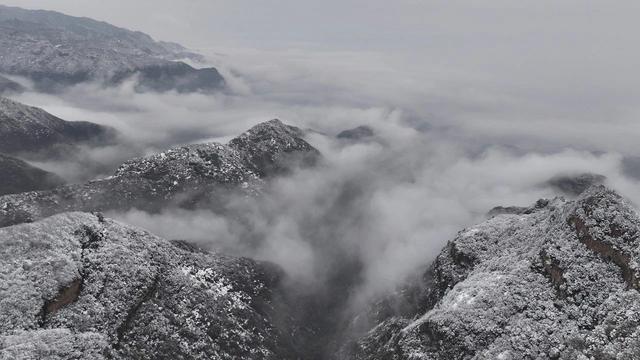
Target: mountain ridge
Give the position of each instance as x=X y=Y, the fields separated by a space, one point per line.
x=28 y=129
x=56 y=50
x=187 y=176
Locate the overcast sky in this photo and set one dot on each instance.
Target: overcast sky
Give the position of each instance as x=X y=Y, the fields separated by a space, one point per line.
x=405 y=24
x=577 y=38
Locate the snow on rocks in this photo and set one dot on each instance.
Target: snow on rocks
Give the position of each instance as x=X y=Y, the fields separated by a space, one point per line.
x=77 y=285
x=555 y=282
x=203 y=175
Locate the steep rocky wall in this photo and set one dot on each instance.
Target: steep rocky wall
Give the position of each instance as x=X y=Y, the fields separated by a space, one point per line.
x=559 y=282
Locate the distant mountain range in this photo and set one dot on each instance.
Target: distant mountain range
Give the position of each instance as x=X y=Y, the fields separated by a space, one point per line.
x=55 y=50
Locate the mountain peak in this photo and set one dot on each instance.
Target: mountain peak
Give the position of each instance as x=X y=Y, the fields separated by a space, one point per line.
x=202 y=175
x=273 y=126
x=567 y=270
x=272 y=147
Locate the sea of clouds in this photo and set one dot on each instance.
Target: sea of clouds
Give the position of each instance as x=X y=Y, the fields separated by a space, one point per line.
x=449 y=145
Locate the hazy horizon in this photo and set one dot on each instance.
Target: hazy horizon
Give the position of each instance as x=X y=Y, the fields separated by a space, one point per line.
x=488 y=66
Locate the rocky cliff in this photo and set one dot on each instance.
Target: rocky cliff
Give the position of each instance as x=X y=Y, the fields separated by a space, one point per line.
x=79 y=286
x=557 y=281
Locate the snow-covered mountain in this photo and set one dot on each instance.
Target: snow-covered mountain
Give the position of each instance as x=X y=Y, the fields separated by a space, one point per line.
x=55 y=50
x=558 y=281
x=79 y=286
x=27 y=129
x=188 y=176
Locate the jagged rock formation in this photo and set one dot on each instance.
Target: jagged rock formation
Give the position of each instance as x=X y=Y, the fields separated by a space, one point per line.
x=559 y=282
x=356 y=134
x=27 y=129
x=202 y=175
x=499 y=210
x=18 y=176
x=9 y=86
x=270 y=148
x=79 y=286
x=574 y=185
x=55 y=50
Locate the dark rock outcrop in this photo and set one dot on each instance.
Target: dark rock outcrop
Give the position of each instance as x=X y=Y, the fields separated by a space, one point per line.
x=356 y=134
x=514 y=210
x=55 y=50
x=272 y=148
x=169 y=76
x=77 y=285
x=18 y=176
x=560 y=282
x=202 y=175
x=499 y=210
x=27 y=129
x=574 y=185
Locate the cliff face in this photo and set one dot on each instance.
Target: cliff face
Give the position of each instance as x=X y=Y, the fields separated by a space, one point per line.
x=558 y=280
x=77 y=285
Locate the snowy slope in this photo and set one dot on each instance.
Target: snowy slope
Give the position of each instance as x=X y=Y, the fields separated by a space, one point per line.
x=188 y=176
x=559 y=281
x=79 y=286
